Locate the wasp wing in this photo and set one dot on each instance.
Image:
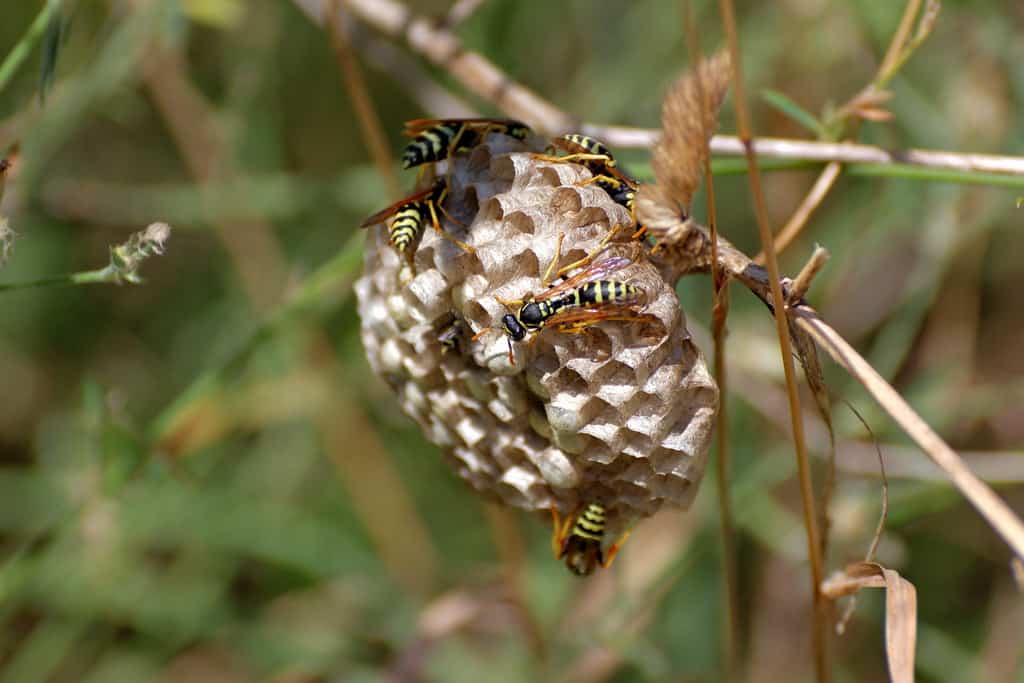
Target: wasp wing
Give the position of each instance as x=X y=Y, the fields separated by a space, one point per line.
x=390 y=211
x=599 y=270
x=578 y=319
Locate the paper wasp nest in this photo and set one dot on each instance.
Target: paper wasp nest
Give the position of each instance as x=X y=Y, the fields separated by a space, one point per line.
x=621 y=415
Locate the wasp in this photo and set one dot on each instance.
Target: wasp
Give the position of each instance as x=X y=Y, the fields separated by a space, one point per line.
x=437 y=139
x=410 y=216
x=451 y=335
x=576 y=303
x=582 y=548
x=604 y=169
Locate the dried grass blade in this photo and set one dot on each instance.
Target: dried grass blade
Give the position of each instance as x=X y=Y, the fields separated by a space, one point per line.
x=983 y=498
x=900 y=611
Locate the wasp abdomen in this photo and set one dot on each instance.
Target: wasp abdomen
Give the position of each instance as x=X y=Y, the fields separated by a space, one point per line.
x=590 y=524
x=407 y=226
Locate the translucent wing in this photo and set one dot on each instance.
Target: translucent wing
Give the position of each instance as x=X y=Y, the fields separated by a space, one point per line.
x=578 y=319
x=417 y=126
x=390 y=211
x=599 y=270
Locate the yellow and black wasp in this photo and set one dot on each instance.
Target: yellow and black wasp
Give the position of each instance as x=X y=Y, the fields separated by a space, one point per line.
x=581 y=548
x=411 y=215
x=604 y=169
x=578 y=302
x=437 y=139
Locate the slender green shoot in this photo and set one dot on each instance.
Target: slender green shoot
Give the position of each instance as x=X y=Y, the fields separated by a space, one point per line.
x=17 y=56
x=125 y=260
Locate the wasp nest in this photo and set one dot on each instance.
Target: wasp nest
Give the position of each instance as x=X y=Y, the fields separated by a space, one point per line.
x=621 y=414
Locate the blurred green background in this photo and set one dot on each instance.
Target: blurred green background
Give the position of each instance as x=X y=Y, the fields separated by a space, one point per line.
x=201 y=479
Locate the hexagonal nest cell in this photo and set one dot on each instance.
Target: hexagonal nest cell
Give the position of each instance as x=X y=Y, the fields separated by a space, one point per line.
x=621 y=414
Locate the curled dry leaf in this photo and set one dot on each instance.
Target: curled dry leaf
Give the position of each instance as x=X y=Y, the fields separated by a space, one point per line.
x=900 y=611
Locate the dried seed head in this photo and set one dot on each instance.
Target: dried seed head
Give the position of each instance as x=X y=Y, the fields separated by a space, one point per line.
x=621 y=414
x=689 y=114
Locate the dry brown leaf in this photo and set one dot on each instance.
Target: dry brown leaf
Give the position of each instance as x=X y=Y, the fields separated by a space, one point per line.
x=900 y=611
x=874 y=114
x=688 y=117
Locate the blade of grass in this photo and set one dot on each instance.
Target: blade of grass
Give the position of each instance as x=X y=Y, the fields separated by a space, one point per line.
x=993 y=508
x=820 y=611
x=20 y=52
x=793 y=110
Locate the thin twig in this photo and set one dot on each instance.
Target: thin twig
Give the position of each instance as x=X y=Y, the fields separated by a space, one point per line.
x=369 y=121
x=802 y=282
x=720 y=314
x=409 y=74
x=814 y=547
x=807 y=207
x=460 y=11
x=991 y=506
x=893 y=56
x=444 y=49
x=484 y=79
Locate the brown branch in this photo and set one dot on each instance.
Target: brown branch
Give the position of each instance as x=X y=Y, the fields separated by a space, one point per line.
x=369 y=120
x=807 y=207
x=444 y=49
x=484 y=79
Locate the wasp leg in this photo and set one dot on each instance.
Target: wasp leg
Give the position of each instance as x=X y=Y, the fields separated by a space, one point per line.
x=574 y=157
x=556 y=532
x=559 y=530
x=614 y=549
x=554 y=260
x=480 y=333
x=511 y=303
x=600 y=177
x=450 y=217
x=444 y=233
x=585 y=261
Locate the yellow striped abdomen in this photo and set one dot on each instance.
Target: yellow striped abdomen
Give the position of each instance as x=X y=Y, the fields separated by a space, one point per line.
x=407 y=226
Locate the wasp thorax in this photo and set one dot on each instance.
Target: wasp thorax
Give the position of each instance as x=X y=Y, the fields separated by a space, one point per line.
x=607 y=397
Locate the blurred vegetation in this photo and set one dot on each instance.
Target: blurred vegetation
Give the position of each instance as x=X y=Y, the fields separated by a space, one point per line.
x=202 y=480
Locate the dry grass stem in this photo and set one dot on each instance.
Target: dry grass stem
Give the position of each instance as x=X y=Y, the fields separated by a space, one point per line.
x=883 y=515
x=991 y=507
x=460 y=11
x=807 y=207
x=369 y=121
x=814 y=542
x=802 y=282
x=442 y=48
x=484 y=79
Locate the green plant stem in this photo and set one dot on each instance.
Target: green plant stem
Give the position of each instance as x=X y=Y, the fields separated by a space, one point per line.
x=17 y=56
x=107 y=275
x=907 y=171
